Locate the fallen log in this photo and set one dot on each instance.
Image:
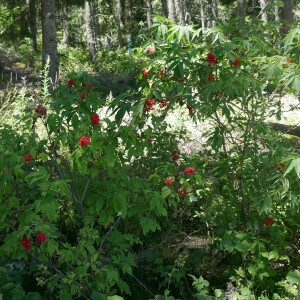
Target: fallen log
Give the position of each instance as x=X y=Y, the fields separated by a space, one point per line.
x=286 y=129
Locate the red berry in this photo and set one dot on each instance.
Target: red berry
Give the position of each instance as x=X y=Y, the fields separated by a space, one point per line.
x=149 y=103
x=84 y=141
x=41 y=110
x=211 y=58
x=26 y=242
x=71 y=82
x=269 y=221
x=235 y=63
x=144 y=72
x=189 y=171
x=41 y=237
x=182 y=191
x=27 y=158
x=211 y=77
x=150 y=49
x=169 y=181
x=95 y=119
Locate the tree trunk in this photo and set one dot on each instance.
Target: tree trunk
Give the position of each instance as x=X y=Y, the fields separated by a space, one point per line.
x=263 y=13
x=203 y=15
x=180 y=11
x=277 y=12
x=212 y=12
x=118 y=16
x=286 y=129
x=49 y=38
x=33 y=24
x=171 y=10
x=241 y=10
x=164 y=8
x=90 y=30
x=65 y=23
x=149 y=13
x=287 y=15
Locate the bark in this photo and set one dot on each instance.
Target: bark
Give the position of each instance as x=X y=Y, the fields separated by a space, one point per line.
x=263 y=12
x=287 y=15
x=277 y=12
x=171 y=10
x=49 y=38
x=180 y=11
x=241 y=10
x=286 y=129
x=65 y=23
x=33 y=24
x=149 y=13
x=212 y=12
x=203 y=15
x=118 y=17
x=90 y=30
x=164 y=8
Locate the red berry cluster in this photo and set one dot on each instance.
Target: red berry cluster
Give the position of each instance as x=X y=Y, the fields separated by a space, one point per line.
x=27 y=158
x=211 y=58
x=95 y=119
x=190 y=108
x=182 y=191
x=84 y=141
x=174 y=155
x=169 y=181
x=280 y=168
x=71 y=83
x=269 y=221
x=235 y=63
x=41 y=110
x=150 y=49
x=163 y=103
x=211 y=77
x=189 y=171
x=149 y=104
x=26 y=242
x=144 y=72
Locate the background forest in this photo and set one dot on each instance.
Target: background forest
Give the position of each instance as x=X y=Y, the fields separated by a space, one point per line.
x=149 y=149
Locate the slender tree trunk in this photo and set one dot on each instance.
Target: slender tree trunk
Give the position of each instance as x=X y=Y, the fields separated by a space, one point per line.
x=203 y=15
x=241 y=10
x=212 y=12
x=33 y=24
x=164 y=8
x=263 y=13
x=49 y=37
x=180 y=11
x=65 y=23
x=91 y=27
x=171 y=10
x=118 y=16
x=287 y=15
x=277 y=12
x=149 y=13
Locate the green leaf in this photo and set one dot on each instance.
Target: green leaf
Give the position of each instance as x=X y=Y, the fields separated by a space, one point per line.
x=294 y=277
x=149 y=225
x=40 y=175
x=218 y=293
x=165 y=192
x=115 y=297
x=65 y=295
x=295 y=164
x=98 y=296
